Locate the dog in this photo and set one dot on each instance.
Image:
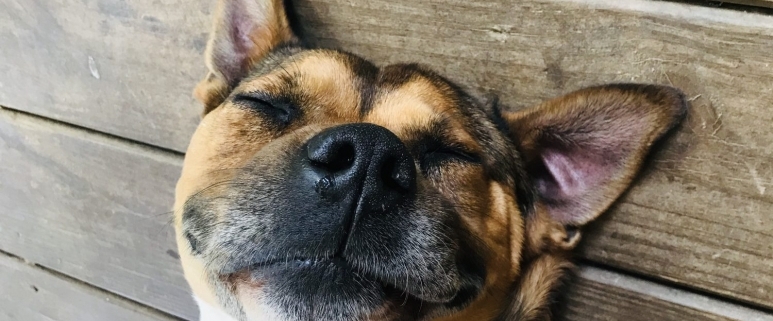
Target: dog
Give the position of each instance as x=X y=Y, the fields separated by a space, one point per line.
x=319 y=186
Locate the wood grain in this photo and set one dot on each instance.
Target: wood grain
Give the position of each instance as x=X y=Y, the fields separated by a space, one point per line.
x=596 y=294
x=121 y=67
x=32 y=294
x=92 y=209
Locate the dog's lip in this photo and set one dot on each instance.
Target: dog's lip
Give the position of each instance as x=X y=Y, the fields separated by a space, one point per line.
x=298 y=262
x=301 y=264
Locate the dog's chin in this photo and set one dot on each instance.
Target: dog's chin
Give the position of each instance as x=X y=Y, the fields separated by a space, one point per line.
x=326 y=289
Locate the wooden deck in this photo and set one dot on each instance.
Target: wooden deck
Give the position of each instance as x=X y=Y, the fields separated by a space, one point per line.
x=96 y=113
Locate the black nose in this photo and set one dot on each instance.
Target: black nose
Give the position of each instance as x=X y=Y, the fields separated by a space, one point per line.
x=361 y=158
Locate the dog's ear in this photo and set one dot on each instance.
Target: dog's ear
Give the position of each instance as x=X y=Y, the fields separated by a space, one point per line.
x=244 y=32
x=583 y=150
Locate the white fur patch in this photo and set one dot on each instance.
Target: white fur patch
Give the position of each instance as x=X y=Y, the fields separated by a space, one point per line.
x=210 y=313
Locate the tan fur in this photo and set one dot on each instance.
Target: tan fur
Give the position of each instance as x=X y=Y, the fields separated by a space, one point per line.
x=536 y=284
x=394 y=110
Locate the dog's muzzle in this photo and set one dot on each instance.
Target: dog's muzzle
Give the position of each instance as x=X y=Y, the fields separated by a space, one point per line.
x=341 y=218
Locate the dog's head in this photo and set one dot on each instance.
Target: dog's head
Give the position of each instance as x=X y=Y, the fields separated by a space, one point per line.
x=320 y=186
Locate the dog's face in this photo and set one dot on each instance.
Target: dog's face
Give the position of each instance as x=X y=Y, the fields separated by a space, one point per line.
x=319 y=186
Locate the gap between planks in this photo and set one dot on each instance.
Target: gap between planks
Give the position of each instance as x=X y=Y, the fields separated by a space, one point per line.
x=739 y=4
x=747 y=6
x=688 y=10
x=698 y=300
x=159 y=153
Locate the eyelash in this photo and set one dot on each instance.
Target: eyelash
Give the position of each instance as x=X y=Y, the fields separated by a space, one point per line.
x=439 y=155
x=280 y=110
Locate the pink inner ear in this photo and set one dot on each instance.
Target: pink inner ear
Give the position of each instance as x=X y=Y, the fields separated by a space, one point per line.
x=233 y=45
x=242 y=25
x=569 y=176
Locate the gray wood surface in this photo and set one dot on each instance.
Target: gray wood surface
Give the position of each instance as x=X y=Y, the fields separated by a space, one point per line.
x=122 y=67
x=95 y=210
x=32 y=294
x=601 y=295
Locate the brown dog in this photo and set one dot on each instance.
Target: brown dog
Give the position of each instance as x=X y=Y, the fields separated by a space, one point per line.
x=319 y=186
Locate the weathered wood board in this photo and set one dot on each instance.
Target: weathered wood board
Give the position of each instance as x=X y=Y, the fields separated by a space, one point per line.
x=122 y=67
x=32 y=294
x=600 y=295
x=94 y=210
x=701 y=217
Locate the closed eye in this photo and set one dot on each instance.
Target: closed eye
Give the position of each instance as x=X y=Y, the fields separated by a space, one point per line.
x=278 y=110
x=437 y=155
x=448 y=152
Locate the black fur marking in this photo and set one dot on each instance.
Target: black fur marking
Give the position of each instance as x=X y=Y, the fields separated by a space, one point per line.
x=524 y=188
x=365 y=74
x=295 y=24
x=394 y=76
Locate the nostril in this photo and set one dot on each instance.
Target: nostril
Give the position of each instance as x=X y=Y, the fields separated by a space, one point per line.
x=396 y=175
x=333 y=157
x=344 y=158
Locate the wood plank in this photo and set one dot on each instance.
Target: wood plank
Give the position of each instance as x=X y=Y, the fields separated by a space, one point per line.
x=700 y=217
x=32 y=294
x=92 y=209
x=122 y=67
x=601 y=295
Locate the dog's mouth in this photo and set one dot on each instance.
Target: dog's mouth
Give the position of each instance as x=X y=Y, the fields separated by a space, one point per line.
x=403 y=264
x=321 y=289
x=295 y=263
x=313 y=275
x=357 y=284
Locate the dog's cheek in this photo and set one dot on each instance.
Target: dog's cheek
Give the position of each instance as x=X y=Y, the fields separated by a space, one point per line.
x=222 y=143
x=489 y=210
x=464 y=187
x=500 y=227
x=504 y=227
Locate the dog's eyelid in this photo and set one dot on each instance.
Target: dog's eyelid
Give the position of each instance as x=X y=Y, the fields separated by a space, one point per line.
x=453 y=147
x=442 y=137
x=256 y=97
x=278 y=108
x=436 y=151
x=461 y=152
